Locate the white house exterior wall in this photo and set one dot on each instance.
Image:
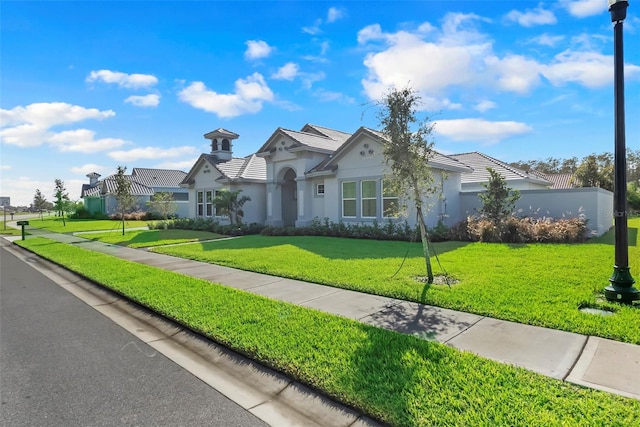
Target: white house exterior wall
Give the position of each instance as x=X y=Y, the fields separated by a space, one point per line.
x=595 y=204
x=356 y=166
x=254 y=210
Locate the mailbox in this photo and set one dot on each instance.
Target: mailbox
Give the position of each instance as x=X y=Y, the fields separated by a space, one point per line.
x=22 y=224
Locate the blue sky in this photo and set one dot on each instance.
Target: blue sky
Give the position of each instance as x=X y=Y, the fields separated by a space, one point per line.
x=88 y=86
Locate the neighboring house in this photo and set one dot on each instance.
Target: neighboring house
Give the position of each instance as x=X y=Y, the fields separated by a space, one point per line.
x=560 y=181
x=541 y=195
x=219 y=170
x=98 y=195
x=517 y=179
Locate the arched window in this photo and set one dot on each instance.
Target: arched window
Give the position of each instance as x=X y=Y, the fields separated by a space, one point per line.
x=225 y=145
x=214 y=145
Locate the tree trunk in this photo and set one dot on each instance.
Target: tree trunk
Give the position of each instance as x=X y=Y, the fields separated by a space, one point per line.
x=425 y=243
x=123 y=223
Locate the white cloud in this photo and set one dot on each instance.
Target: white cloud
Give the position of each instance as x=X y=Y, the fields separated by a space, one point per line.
x=314 y=29
x=151 y=153
x=485 y=105
x=48 y=114
x=515 y=73
x=88 y=168
x=329 y=96
x=459 y=55
x=151 y=100
x=370 y=32
x=129 y=81
x=590 y=69
x=181 y=165
x=335 y=14
x=82 y=141
x=546 y=39
x=5 y=167
x=25 y=135
x=532 y=17
x=288 y=71
x=22 y=189
x=584 y=8
x=478 y=130
x=429 y=67
x=250 y=94
x=30 y=126
x=257 y=49
x=308 y=79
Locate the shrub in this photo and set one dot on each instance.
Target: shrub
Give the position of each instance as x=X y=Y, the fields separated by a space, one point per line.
x=209 y=224
x=521 y=230
x=388 y=231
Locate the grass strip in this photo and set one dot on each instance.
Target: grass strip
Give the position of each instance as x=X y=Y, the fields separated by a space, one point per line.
x=148 y=238
x=75 y=225
x=396 y=378
x=536 y=284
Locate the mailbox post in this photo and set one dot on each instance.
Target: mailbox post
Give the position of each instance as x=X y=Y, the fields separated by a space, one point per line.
x=22 y=224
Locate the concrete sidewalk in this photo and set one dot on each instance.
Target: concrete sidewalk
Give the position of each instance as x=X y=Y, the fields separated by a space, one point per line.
x=593 y=362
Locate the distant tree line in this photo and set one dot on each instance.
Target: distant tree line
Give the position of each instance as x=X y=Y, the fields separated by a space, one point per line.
x=594 y=170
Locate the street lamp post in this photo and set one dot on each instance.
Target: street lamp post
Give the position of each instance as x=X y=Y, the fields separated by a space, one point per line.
x=621 y=283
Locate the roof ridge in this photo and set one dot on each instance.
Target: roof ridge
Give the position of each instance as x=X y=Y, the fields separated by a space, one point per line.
x=515 y=170
x=245 y=165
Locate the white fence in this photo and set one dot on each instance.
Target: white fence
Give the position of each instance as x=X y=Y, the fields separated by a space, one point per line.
x=595 y=204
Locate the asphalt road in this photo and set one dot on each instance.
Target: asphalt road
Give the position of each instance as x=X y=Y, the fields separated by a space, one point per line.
x=64 y=364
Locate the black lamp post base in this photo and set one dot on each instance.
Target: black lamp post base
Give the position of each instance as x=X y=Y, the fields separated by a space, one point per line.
x=621 y=288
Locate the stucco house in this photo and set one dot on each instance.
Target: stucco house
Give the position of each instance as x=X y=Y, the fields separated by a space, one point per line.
x=318 y=172
x=98 y=195
x=219 y=170
x=297 y=176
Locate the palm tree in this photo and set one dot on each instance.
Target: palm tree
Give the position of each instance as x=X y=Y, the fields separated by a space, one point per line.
x=230 y=203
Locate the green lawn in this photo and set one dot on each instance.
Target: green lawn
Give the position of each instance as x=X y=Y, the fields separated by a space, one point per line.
x=75 y=225
x=148 y=238
x=396 y=378
x=537 y=284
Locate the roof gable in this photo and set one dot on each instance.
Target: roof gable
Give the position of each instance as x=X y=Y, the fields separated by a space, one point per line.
x=247 y=168
x=310 y=138
x=438 y=160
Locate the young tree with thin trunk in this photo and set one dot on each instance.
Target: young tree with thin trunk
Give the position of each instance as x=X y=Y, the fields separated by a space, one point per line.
x=407 y=150
x=39 y=202
x=62 y=199
x=164 y=204
x=125 y=201
x=499 y=201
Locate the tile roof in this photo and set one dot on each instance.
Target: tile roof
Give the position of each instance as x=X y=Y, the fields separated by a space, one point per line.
x=479 y=162
x=559 y=180
x=158 y=177
x=338 y=135
x=250 y=167
x=438 y=160
x=312 y=140
x=143 y=180
x=137 y=189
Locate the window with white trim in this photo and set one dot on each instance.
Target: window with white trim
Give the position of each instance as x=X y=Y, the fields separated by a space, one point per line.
x=369 y=199
x=209 y=204
x=319 y=189
x=349 y=199
x=200 y=203
x=390 y=204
